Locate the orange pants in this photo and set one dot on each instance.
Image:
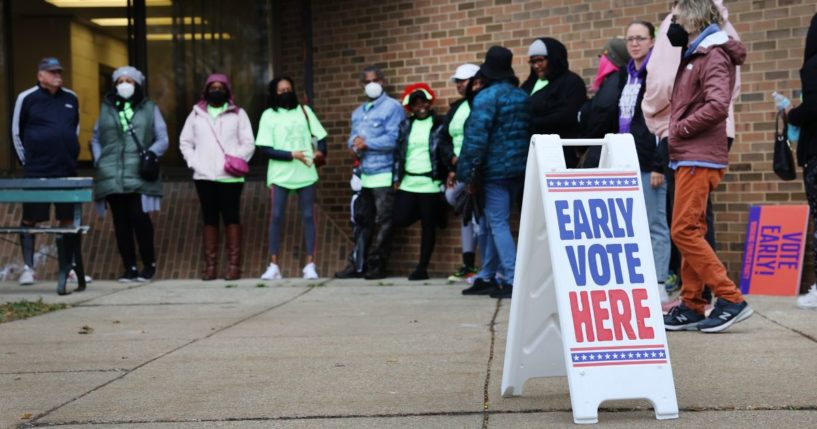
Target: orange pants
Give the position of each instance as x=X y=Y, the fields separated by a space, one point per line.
x=699 y=264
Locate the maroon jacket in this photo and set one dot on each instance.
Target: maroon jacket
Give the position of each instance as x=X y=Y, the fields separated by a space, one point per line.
x=700 y=100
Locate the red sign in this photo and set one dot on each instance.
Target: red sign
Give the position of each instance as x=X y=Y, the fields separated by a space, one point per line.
x=773 y=255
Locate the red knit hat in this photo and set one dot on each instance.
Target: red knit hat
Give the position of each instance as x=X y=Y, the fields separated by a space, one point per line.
x=426 y=90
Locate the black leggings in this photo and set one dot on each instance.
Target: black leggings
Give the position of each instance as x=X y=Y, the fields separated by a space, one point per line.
x=128 y=220
x=220 y=200
x=410 y=207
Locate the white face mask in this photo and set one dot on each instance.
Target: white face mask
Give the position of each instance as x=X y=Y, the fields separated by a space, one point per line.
x=125 y=90
x=373 y=90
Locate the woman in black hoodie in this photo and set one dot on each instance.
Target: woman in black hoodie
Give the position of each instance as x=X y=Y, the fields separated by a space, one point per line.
x=805 y=117
x=556 y=93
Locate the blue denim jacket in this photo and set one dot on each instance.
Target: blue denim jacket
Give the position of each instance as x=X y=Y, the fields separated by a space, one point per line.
x=379 y=126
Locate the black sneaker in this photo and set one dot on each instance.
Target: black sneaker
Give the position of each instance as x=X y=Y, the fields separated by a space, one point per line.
x=350 y=272
x=418 y=274
x=481 y=287
x=147 y=273
x=505 y=291
x=376 y=272
x=681 y=318
x=724 y=315
x=129 y=276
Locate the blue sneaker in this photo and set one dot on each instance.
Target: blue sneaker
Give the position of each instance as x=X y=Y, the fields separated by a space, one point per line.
x=724 y=315
x=672 y=283
x=681 y=318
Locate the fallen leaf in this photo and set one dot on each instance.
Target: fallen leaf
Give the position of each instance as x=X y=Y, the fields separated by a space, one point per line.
x=86 y=330
x=26 y=416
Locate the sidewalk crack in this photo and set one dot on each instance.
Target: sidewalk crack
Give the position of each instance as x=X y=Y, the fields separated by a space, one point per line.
x=486 y=414
x=788 y=328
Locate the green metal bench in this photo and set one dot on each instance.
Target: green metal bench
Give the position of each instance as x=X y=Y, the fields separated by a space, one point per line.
x=75 y=190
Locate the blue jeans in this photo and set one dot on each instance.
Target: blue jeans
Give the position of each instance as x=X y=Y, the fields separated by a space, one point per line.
x=656 y=201
x=496 y=241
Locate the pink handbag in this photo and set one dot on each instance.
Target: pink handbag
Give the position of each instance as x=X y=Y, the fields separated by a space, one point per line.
x=233 y=165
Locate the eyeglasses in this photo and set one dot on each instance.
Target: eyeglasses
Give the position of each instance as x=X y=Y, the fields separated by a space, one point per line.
x=637 y=39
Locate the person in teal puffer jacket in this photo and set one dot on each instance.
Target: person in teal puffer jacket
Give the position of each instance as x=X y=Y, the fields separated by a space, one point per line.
x=117 y=182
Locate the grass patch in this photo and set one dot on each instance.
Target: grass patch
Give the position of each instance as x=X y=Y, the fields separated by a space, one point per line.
x=230 y=286
x=24 y=309
x=261 y=285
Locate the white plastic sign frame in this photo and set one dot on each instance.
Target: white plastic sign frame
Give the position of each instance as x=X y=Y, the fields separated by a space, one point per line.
x=585 y=302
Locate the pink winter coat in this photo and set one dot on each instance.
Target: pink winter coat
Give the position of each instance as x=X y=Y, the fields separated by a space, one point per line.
x=661 y=72
x=201 y=135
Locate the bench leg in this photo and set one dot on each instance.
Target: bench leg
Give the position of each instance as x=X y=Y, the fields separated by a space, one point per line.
x=79 y=267
x=64 y=256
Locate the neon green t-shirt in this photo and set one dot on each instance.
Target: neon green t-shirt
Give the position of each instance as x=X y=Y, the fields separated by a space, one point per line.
x=540 y=83
x=214 y=112
x=456 y=128
x=418 y=159
x=288 y=130
x=379 y=180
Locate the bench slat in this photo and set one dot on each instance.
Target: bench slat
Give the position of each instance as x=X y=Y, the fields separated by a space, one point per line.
x=46 y=196
x=51 y=183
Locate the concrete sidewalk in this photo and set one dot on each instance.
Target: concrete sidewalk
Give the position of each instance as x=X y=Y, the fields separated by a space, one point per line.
x=352 y=354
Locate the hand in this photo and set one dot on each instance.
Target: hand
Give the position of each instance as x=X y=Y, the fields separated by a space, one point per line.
x=300 y=156
x=396 y=186
x=656 y=179
x=359 y=144
x=318 y=154
x=454 y=160
x=452 y=180
x=591 y=92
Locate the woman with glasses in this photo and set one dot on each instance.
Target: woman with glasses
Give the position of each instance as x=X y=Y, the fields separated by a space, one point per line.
x=556 y=93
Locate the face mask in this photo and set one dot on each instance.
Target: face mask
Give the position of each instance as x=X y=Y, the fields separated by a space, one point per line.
x=677 y=35
x=287 y=100
x=373 y=90
x=125 y=90
x=216 y=98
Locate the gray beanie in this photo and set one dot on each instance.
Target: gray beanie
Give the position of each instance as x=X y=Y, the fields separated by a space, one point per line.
x=537 y=48
x=130 y=72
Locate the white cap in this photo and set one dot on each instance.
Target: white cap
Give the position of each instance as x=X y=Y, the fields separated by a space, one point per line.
x=465 y=71
x=538 y=49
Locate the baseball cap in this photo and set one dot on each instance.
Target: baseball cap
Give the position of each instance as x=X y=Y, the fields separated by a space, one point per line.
x=465 y=71
x=49 y=64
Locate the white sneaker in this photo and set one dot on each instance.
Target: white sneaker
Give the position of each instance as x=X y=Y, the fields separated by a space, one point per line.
x=807 y=301
x=28 y=276
x=309 y=272
x=272 y=273
x=72 y=277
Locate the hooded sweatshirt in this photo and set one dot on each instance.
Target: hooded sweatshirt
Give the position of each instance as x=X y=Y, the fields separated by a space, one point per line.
x=701 y=96
x=205 y=140
x=661 y=76
x=805 y=115
x=553 y=109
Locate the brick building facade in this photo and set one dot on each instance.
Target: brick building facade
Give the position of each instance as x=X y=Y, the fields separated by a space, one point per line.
x=424 y=41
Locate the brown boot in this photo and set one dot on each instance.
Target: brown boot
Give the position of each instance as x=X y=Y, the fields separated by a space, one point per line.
x=210 y=252
x=233 y=252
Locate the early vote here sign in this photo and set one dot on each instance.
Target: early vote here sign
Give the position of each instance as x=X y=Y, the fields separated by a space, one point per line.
x=602 y=258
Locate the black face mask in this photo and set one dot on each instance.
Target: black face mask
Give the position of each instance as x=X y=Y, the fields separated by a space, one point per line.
x=216 y=98
x=677 y=35
x=287 y=100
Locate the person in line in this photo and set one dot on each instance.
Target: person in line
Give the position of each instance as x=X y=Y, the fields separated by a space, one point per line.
x=419 y=171
x=45 y=132
x=556 y=94
x=375 y=127
x=497 y=135
x=599 y=115
x=451 y=140
x=699 y=154
x=640 y=40
x=128 y=121
x=661 y=71
x=294 y=140
x=215 y=128
x=805 y=117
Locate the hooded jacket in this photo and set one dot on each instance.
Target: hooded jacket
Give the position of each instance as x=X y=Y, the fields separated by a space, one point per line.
x=701 y=96
x=201 y=136
x=439 y=166
x=554 y=108
x=661 y=76
x=805 y=115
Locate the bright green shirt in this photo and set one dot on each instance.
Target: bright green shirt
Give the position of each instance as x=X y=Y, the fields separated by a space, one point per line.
x=214 y=112
x=288 y=130
x=456 y=128
x=418 y=159
x=380 y=180
x=540 y=83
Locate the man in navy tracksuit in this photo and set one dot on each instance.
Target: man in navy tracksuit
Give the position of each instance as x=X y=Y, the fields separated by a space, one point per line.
x=45 y=131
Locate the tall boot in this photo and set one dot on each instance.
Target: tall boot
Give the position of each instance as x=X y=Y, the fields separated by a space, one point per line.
x=233 y=252
x=210 y=252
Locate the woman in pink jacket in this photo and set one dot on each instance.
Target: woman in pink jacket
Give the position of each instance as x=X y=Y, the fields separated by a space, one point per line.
x=217 y=127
